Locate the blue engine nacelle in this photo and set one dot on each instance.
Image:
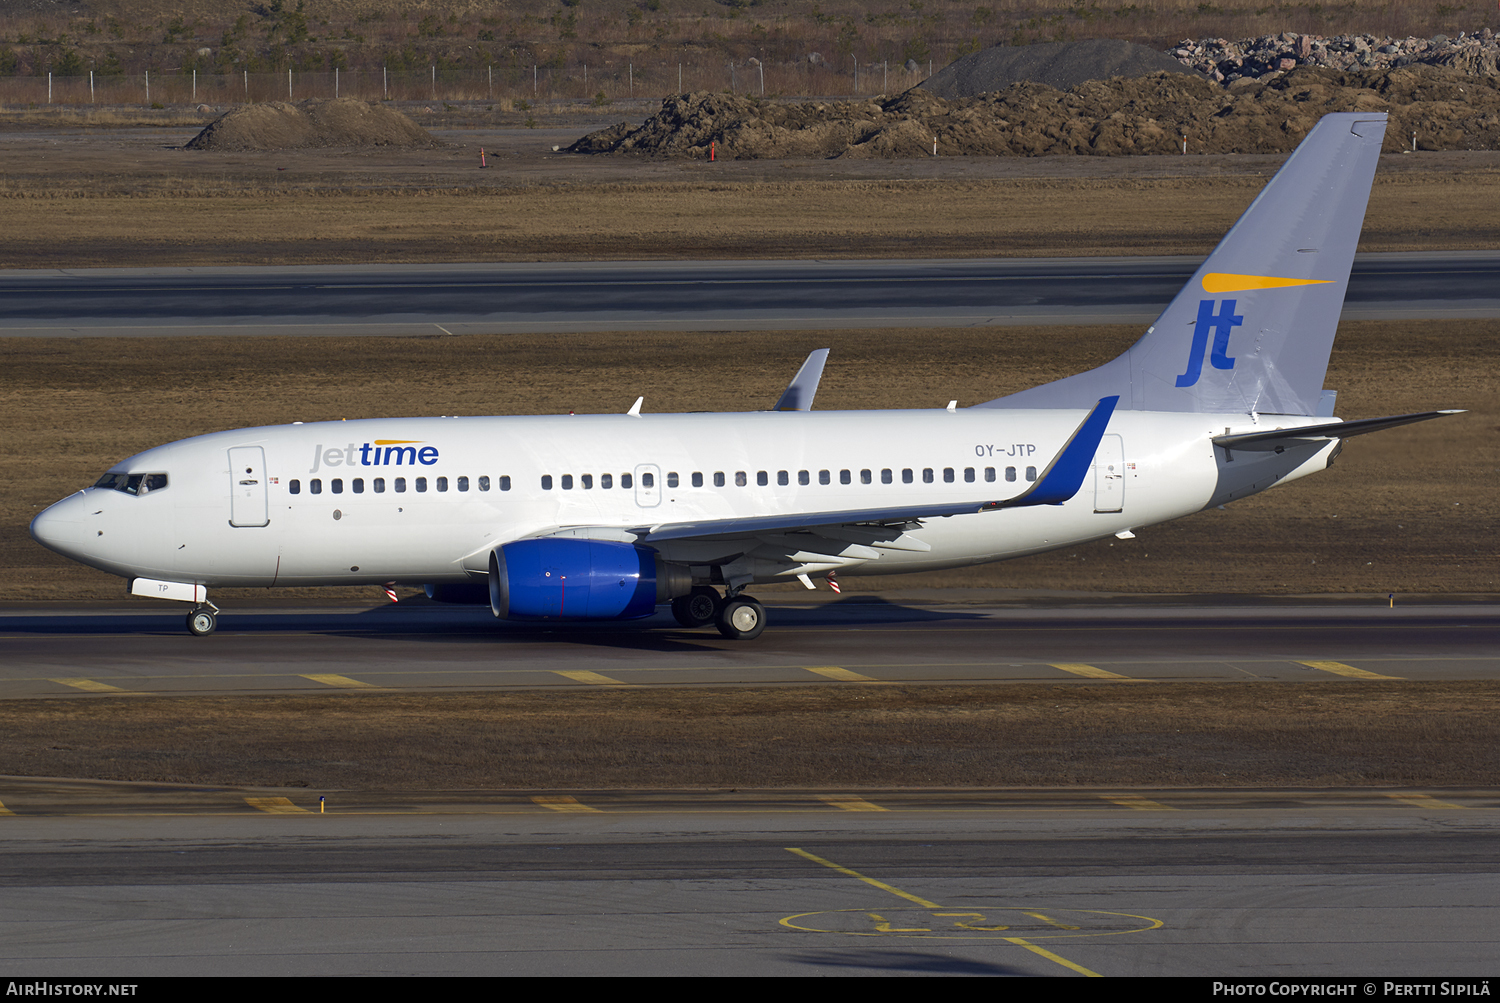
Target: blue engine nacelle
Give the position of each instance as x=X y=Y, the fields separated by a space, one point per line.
x=569 y=579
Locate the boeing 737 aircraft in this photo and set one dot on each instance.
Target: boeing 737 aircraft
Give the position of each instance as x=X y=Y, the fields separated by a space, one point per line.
x=603 y=517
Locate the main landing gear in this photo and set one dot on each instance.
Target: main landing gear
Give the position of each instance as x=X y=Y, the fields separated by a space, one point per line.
x=203 y=619
x=738 y=617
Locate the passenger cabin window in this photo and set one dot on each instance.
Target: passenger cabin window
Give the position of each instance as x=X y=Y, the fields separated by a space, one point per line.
x=697 y=479
x=315 y=486
x=989 y=473
x=824 y=477
x=718 y=478
x=1010 y=473
x=379 y=484
x=421 y=484
x=762 y=478
x=463 y=484
x=885 y=476
x=648 y=480
x=671 y=478
x=803 y=477
x=442 y=484
x=740 y=480
x=400 y=484
x=865 y=477
x=926 y=475
x=586 y=481
x=845 y=477
x=292 y=488
x=567 y=482
x=968 y=475
x=1031 y=473
x=948 y=475
x=505 y=483
x=358 y=484
x=626 y=481
x=337 y=484
x=606 y=481
x=906 y=477
x=546 y=482
x=783 y=478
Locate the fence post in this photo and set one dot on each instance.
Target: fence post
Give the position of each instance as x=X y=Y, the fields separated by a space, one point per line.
x=335 y=83
x=91 y=86
x=762 y=69
x=385 y=83
x=679 y=78
x=195 y=85
x=434 y=81
x=533 y=79
x=49 y=86
x=289 y=83
x=490 y=69
x=632 y=78
x=148 y=88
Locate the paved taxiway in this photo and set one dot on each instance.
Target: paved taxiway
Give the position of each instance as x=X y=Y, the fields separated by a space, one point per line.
x=690 y=295
x=1257 y=883
x=859 y=640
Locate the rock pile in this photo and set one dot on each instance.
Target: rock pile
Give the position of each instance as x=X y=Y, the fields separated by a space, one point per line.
x=1225 y=61
x=282 y=126
x=1446 y=109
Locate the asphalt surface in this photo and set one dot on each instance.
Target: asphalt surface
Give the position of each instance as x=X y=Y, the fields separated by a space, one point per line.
x=858 y=640
x=659 y=295
x=1370 y=885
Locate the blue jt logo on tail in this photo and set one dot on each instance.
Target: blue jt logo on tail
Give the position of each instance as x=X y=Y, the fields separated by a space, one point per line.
x=1223 y=323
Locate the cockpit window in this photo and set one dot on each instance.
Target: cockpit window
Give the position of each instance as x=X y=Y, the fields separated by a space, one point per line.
x=133 y=484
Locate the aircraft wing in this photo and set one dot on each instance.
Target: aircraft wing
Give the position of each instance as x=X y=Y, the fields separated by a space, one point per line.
x=1280 y=438
x=1059 y=482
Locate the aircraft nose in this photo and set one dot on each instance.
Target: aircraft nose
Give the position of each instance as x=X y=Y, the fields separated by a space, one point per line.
x=59 y=526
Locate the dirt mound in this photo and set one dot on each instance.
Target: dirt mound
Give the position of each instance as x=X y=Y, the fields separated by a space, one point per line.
x=1056 y=64
x=1446 y=109
x=313 y=123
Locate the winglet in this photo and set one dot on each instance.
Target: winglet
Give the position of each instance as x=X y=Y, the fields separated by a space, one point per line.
x=1064 y=475
x=798 y=395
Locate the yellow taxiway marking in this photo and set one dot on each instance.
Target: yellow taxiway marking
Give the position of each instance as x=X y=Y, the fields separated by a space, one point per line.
x=869 y=881
x=593 y=678
x=562 y=802
x=849 y=802
x=841 y=674
x=1340 y=669
x=4 y=810
x=276 y=806
x=1091 y=671
x=90 y=685
x=334 y=679
x=925 y=904
x=1137 y=802
x=1423 y=801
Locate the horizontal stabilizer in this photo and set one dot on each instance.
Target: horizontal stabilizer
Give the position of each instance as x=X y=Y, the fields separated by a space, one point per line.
x=1280 y=438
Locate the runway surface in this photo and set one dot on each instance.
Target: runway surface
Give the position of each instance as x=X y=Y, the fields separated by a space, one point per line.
x=660 y=295
x=859 y=640
x=1070 y=884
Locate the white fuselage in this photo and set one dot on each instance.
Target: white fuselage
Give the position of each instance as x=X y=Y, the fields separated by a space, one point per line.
x=425 y=500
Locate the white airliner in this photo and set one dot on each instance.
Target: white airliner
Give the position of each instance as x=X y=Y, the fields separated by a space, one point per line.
x=606 y=516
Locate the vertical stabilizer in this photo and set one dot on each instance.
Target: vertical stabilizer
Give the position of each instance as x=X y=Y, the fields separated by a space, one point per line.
x=1252 y=330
